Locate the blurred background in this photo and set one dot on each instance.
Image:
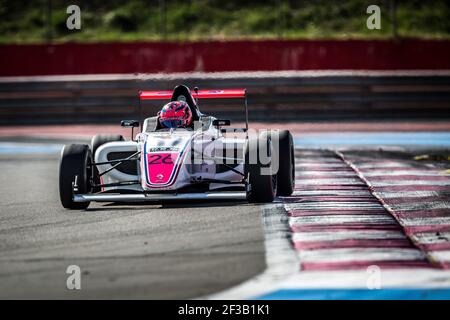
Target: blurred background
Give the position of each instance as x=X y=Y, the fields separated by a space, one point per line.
x=45 y=20
x=301 y=61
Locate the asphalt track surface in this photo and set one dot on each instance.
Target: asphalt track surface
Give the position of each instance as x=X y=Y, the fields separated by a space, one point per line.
x=124 y=251
x=197 y=249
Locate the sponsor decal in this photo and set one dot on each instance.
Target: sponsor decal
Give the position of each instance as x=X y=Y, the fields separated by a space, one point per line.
x=162 y=149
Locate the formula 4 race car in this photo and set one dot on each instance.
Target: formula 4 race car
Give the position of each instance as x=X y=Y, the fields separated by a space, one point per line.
x=204 y=161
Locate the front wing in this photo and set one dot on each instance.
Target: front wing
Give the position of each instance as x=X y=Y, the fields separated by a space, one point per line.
x=143 y=197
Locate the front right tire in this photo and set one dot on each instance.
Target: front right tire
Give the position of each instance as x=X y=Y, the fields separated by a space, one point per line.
x=284 y=154
x=261 y=184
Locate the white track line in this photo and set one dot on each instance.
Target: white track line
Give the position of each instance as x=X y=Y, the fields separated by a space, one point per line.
x=383 y=165
x=441 y=256
x=317 y=160
x=407 y=194
x=329 y=182
x=319 y=205
x=347 y=235
x=331 y=193
x=320 y=165
x=281 y=260
x=410 y=222
x=403 y=278
x=384 y=173
x=421 y=206
x=324 y=173
x=390 y=183
x=360 y=254
x=431 y=237
x=342 y=219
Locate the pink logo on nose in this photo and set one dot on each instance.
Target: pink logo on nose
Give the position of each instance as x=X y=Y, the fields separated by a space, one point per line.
x=161 y=167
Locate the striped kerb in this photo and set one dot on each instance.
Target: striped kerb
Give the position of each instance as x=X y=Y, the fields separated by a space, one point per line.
x=350 y=215
x=417 y=196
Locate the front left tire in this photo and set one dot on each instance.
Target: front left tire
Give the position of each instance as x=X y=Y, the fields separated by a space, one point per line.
x=75 y=164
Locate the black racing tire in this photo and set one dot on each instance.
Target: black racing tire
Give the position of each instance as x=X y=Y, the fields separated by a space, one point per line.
x=260 y=187
x=75 y=161
x=285 y=155
x=96 y=142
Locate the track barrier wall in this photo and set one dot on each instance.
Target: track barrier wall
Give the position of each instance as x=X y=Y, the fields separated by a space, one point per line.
x=223 y=56
x=272 y=96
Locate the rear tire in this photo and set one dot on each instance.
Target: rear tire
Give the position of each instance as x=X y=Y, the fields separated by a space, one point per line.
x=75 y=159
x=286 y=162
x=261 y=187
x=97 y=141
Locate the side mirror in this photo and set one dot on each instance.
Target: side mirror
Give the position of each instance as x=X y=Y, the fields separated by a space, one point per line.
x=129 y=123
x=221 y=123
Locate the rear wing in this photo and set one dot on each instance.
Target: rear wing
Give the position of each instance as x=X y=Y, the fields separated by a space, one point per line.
x=200 y=94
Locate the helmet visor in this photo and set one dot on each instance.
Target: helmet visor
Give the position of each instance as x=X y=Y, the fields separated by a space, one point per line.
x=172 y=123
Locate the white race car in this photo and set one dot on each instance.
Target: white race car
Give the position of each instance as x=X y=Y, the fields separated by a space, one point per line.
x=205 y=161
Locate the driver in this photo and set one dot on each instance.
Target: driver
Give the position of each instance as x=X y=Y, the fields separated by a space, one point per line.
x=175 y=114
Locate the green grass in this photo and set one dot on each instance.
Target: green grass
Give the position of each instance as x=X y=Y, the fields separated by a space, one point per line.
x=24 y=21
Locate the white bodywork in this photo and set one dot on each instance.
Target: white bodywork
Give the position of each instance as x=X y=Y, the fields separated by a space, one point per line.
x=172 y=159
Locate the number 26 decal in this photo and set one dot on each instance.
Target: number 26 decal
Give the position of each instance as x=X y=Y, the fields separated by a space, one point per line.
x=158 y=159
